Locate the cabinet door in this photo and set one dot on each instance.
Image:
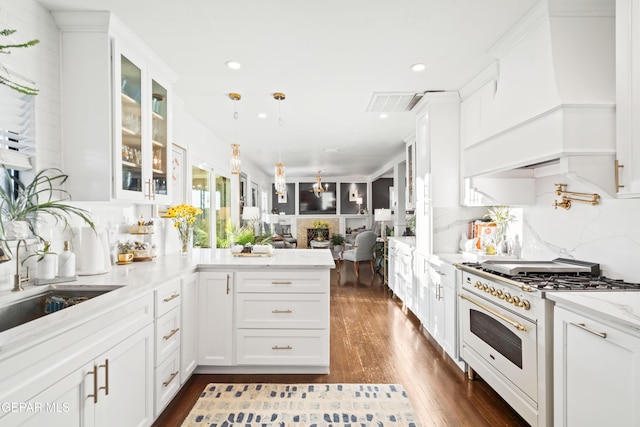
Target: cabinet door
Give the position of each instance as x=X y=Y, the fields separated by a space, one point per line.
x=125 y=382
x=129 y=123
x=189 y=336
x=628 y=97
x=596 y=373
x=65 y=404
x=422 y=283
x=215 y=311
x=437 y=316
x=160 y=131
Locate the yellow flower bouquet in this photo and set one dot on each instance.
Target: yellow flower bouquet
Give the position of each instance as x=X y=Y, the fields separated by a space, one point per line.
x=184 y=217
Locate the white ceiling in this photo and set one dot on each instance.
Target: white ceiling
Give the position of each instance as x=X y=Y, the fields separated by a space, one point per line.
x=328 y=57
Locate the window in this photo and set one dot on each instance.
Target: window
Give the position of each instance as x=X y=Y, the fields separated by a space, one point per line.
x=17 y=129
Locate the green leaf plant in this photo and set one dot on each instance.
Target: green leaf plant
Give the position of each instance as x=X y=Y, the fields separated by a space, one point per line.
x=5 y=78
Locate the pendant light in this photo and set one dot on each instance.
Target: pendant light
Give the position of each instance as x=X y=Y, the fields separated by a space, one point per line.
x=279 y=181
x=235 y=148
x=317 y=187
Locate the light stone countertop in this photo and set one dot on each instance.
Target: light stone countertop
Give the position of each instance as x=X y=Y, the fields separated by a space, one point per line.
x=620 y=308
x=138 y=279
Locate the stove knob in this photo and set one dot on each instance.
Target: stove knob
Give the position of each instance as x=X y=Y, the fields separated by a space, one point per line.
x=478 y=285
x=497 y=293
x=515 y=300
x=492 y=290
x=524 y=304
x=506 y=297
x=485 y=287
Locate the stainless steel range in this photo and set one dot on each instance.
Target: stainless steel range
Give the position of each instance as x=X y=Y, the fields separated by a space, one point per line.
x=506 y=325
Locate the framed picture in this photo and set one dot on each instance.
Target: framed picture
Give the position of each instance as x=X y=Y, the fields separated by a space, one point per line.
x=353 y=195
x=254 y=194
x=179 y=174
x=282 y=197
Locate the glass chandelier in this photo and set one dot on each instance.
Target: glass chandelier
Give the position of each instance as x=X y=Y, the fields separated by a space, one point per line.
x=235 y=159
x=317 y=186
x=279 y=181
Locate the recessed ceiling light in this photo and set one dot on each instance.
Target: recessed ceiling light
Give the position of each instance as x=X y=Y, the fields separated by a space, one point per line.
x=234 y=65
x=418 y=67
x=262 y=115
x=383 y=115
x=330 y=150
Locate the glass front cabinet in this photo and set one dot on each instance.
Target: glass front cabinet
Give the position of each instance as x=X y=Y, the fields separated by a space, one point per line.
x=116 y=112
x=141 y=134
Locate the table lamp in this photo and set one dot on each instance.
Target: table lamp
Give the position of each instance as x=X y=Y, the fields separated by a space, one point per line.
x=272 y=220
x=383 y=215
x=359 y=202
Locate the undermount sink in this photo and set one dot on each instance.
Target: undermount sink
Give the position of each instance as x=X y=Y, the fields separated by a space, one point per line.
x=47 y=302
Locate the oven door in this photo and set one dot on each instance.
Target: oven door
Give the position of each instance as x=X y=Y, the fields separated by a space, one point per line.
x=501 y=339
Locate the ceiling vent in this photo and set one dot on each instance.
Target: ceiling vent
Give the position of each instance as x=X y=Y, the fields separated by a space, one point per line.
x=393 y=102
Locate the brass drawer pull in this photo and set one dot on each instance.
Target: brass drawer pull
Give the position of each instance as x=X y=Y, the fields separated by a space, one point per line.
x=106 y=377
x=172 y=333
x=277 y=347
x=173 y=375
x=281 y=311
x=281 y=282
x=95 y=384
x=583 y=326
x=172 y=297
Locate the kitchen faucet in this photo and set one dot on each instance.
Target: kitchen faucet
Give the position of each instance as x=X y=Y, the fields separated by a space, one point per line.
x=18 y=278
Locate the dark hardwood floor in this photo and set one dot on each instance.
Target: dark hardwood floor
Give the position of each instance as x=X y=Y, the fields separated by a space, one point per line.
x=374 y=341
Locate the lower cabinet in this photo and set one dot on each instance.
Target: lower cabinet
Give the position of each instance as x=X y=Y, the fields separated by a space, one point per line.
x=168 y=333
x=113 y=388
x=442 y=304
x=282 y=319
x=596 y=372
x=189 y=324
x=215 y=312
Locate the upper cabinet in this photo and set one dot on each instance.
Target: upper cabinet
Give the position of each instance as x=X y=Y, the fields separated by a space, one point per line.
x=116 y=118
x=628 y=98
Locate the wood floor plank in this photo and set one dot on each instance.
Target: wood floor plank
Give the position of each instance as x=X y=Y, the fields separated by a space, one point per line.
x=373 y=340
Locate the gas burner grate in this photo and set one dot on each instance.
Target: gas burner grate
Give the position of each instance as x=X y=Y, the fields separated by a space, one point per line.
x=573 y=282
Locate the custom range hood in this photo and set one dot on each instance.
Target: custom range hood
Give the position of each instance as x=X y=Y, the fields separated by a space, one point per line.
x=547 y=106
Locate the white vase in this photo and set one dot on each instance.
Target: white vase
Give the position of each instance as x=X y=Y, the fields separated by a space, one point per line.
x=47 y=266
x=16 y=230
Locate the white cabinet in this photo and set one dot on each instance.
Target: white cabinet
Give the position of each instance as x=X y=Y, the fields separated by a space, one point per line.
x=189 y=324
x=437 y=171
x=116 y=111
x=168 y=337
x=402 y=259
x=282 y=319
x=215 y=311
x=442 y=317
x=423 y=289
x=596 y=372
x=628 y=97
x=124 y=374
x=410 y=196
x=101 y=375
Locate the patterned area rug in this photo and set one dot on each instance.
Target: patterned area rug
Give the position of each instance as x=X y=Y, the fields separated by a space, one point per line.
x=309 y=405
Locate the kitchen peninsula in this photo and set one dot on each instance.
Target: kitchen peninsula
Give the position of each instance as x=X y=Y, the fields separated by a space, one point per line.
x=124 y=354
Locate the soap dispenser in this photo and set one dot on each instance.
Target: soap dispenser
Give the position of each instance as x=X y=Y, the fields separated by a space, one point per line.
x=67 y=261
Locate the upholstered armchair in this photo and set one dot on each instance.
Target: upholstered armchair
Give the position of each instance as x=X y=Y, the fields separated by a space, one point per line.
x=361 y=250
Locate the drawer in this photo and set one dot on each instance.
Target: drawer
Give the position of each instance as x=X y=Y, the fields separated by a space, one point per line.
x=282 y=347
x=285 y=281
x=167 y=297
x=167 y=381
x=270 y=311
x=167 y=334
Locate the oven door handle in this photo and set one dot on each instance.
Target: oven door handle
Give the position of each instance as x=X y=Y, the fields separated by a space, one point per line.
x=513 y=323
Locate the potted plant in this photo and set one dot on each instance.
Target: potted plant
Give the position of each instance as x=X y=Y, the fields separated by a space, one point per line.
x=46 y=263
x=320 y=227
x=43 y=195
